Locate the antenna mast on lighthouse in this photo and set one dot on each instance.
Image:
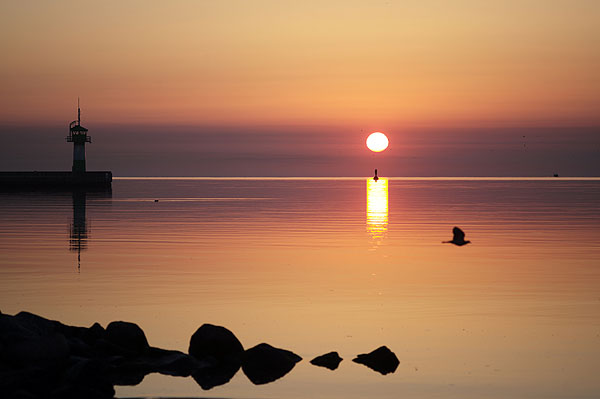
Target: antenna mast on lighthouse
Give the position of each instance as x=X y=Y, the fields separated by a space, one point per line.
x=78 y=136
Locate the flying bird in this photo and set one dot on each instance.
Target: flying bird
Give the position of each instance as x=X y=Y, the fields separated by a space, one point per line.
x=458 y=239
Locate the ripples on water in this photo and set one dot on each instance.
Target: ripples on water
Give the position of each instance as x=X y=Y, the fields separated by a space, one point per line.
x=315 y=265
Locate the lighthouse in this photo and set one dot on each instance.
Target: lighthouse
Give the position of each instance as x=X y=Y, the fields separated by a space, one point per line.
x=78 y=136
x=78 y=177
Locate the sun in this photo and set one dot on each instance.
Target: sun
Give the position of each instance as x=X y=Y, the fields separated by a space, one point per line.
x=377 y=142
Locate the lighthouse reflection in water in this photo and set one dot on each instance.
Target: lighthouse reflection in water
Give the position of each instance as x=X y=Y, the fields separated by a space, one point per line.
x=79 y=229
x=377 y=208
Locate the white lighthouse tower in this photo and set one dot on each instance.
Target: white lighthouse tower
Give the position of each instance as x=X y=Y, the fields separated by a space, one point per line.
x=78 y=136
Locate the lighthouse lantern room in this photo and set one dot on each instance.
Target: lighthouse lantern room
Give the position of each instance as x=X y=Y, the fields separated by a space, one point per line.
x=78 y=136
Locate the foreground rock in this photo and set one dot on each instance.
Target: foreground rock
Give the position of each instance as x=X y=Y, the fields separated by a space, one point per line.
x=128 y=336
x=220 y=349
x=216 y=342
x=329 y=360
x=132 y=370
x=41 y=358
x=264 y=363
x=382 y=360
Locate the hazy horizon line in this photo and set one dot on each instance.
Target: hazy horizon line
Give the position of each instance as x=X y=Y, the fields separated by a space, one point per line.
x=499 y=178
x=368 y=125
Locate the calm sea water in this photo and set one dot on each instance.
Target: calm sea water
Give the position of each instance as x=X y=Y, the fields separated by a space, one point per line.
x=315 y=265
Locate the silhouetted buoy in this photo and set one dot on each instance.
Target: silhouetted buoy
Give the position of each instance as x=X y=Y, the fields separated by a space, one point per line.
x=375 y=177
x=458 y=239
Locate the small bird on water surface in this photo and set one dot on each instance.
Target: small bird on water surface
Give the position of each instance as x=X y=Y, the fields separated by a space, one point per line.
x=458 y=239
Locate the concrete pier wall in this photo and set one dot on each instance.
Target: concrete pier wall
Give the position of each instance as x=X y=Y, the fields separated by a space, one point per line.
x=55 y=179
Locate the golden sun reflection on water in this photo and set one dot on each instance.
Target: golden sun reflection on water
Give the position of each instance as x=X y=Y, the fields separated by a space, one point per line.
x=377 y=208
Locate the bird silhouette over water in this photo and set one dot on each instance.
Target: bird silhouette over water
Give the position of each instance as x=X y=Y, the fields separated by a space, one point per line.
x=376 y=177
x=458 y=239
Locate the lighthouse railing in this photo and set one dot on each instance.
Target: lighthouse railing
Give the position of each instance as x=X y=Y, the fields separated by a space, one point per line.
x=72 y=137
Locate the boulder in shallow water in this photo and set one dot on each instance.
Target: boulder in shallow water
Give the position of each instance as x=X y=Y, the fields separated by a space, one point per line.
x=264 y=363
x=216 y=342
x=221 y=350
x=128 y=336
x=329 y=360
x=382 y=360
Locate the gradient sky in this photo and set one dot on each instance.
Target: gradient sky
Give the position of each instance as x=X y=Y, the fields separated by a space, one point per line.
x=296 y=81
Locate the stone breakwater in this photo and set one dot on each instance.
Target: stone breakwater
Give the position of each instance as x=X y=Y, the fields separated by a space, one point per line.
x=41 y=358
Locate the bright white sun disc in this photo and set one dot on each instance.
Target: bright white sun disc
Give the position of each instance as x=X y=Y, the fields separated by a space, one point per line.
x=377 y=142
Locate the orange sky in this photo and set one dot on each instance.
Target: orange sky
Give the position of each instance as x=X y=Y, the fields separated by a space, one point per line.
x=357 y=63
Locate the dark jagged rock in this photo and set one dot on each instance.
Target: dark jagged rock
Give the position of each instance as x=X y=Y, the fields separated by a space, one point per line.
x=263 y=363
x=173 y=363
x=55 y=382
x=40 y=358
x=86 y=378
x=216 y=342
x=132 y=370
x=94 y=333
x=44 y=351
x=42 y=326
x=105 y=348
x=10 y=326
x=33 y=382
x=128 y=336
x=382 y=360
x=80 y=348
x=38 y=324
x=329 y=360
x=25 y=345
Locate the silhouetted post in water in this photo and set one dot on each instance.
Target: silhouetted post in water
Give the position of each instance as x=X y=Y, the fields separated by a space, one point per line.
x=78 y=136
x=376 y=177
